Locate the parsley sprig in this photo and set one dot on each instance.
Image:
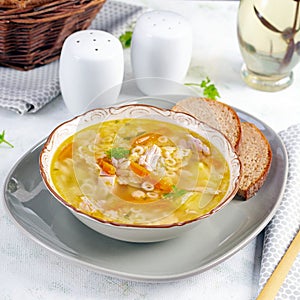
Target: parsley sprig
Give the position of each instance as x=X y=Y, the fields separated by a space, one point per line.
x=209 y=89
x=125 y=39
x=176 y=192
x=117 y=153
x=3 y=140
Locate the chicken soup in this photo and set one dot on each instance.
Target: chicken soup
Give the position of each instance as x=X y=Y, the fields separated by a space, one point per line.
x=140 y=172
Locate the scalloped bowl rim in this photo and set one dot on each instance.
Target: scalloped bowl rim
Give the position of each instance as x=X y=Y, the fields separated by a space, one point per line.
x=47 y=150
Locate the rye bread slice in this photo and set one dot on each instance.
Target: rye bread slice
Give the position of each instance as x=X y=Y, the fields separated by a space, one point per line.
x=256 y=156
x=214 y=113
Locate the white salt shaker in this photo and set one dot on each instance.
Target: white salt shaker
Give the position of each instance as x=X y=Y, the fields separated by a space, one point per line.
x=161 y=50
x=91 y=70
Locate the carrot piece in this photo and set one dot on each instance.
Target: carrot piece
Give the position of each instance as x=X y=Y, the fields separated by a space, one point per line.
x=66 y=152
x=106 y=166
x=139 y=170
x=165 y=184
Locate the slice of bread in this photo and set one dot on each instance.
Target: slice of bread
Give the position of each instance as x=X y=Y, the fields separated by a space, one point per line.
x=216 y=114
x=256 y=156
x=251 y=145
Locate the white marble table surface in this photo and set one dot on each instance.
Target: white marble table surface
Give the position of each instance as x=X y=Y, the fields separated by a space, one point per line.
x=28 y=271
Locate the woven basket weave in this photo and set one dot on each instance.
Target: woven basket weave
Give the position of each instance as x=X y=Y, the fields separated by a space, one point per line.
x=33 y=36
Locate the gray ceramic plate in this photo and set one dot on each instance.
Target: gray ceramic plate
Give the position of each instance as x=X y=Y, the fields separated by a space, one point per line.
x=51 y=225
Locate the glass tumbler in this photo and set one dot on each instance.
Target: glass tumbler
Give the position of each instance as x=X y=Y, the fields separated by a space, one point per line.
x=269 y=40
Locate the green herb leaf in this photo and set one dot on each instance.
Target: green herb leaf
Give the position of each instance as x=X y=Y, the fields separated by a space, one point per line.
x=117 y=153
x=175 y=193
x=3 y=140
x=125 y=39
x=209 y=89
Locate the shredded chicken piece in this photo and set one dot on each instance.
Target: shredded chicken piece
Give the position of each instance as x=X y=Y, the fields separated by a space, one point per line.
x=200 y=146
x=150 y=159
x=121 y=163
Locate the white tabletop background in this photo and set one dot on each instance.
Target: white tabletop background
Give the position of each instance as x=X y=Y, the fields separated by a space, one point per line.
x=28 y=271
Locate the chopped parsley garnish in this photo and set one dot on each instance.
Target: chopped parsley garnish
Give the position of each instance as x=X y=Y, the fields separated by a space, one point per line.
x=176 y=192
x=118 y=153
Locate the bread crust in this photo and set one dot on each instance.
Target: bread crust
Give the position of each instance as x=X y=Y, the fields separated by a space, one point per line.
x=216 y=114
x=245 y=148
x=248 y=151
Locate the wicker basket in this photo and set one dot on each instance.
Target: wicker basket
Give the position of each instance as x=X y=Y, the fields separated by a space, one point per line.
x=33 y=36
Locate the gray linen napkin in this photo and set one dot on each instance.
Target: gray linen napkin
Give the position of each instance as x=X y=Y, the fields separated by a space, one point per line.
x=29 y=91
x=286 y=222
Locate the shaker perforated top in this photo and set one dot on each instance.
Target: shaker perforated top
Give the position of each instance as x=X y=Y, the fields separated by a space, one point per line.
x=93 y=44
x=164 y=24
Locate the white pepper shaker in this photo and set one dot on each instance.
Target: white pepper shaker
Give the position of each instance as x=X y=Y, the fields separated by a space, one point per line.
x=161 y=50
x=91 y=70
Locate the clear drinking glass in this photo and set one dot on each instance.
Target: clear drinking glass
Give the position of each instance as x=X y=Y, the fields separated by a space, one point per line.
x=269 y=40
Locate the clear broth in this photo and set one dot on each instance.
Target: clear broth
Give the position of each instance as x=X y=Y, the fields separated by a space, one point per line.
x=140 y=172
